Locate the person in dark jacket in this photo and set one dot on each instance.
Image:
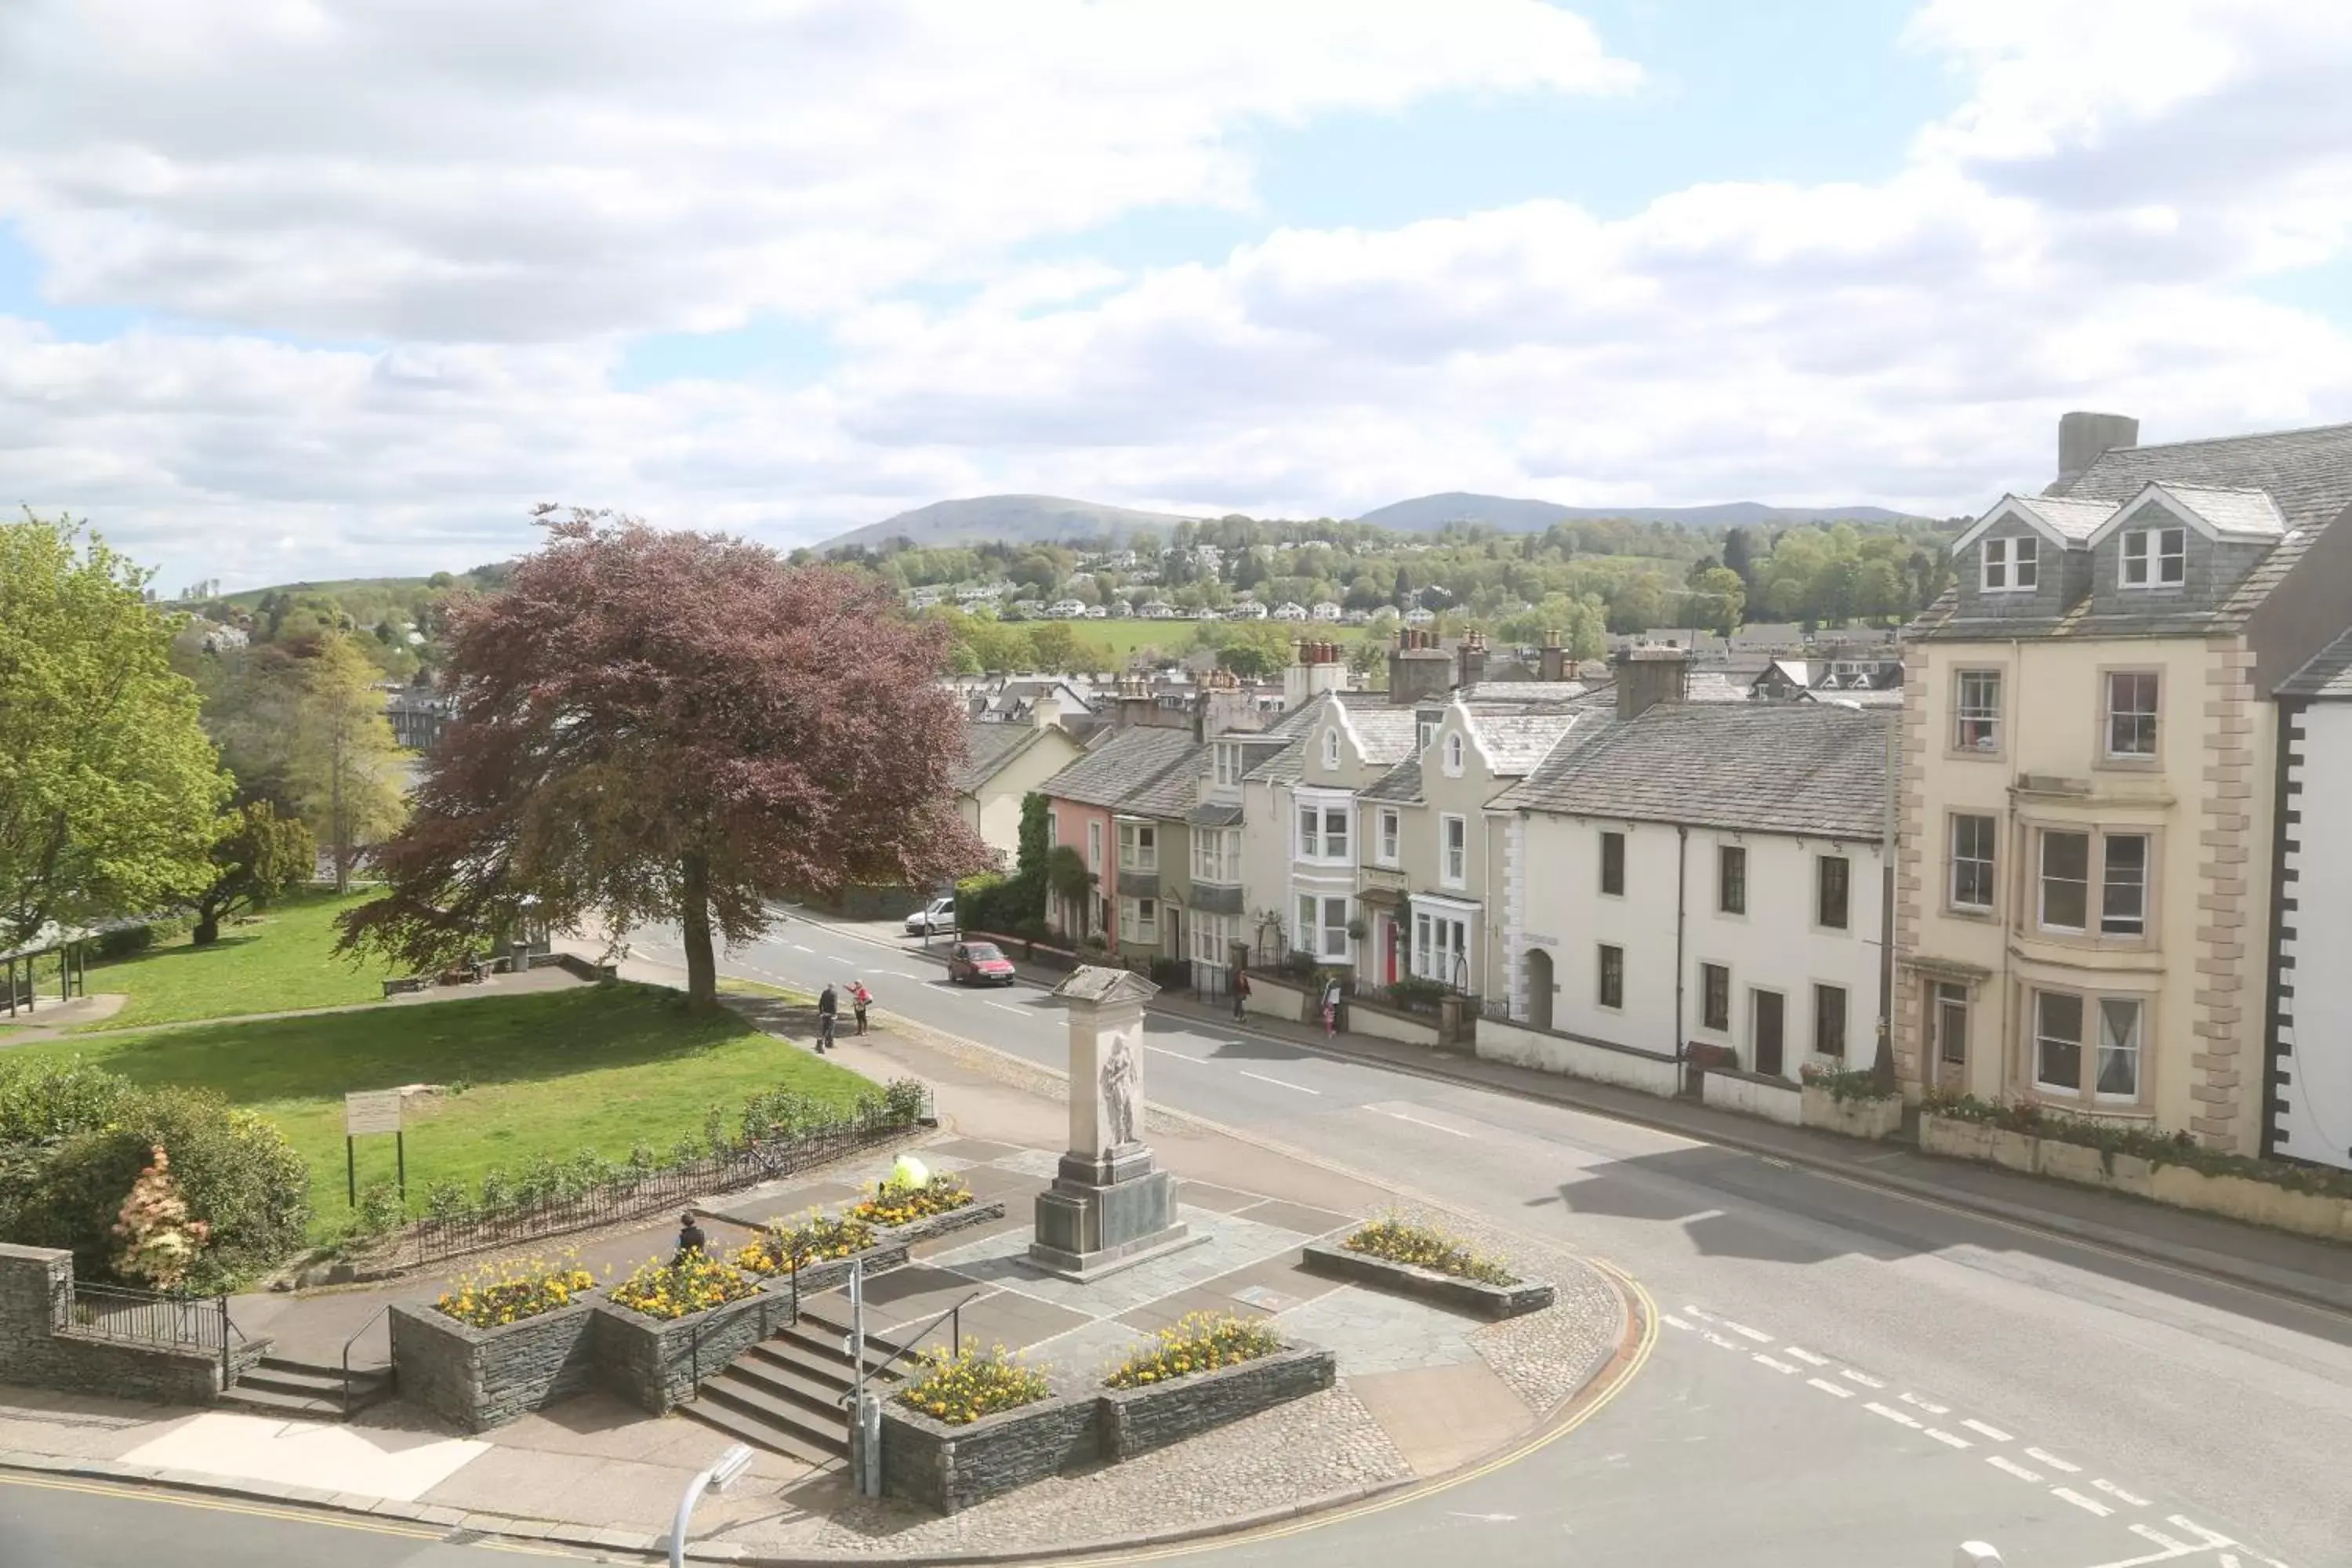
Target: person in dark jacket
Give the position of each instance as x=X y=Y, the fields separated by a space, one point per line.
x=828 y=1008
x=689 y=1237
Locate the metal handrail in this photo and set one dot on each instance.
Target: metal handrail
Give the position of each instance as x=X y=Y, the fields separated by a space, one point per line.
x=348 y=1343
x=952 y=1316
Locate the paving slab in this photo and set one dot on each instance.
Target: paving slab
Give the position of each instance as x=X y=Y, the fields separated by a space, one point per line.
x=1442 y=1417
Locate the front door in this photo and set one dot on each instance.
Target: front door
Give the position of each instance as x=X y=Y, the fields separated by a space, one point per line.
x=1947 y=1033
x=1767 y=1032
x=1538 y=963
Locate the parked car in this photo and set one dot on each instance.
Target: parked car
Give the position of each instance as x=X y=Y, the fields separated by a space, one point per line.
x=933 y=918
x=979 y=964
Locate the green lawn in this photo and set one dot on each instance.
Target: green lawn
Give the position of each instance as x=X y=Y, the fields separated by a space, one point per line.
x=553 y=1072
x=283 y=960
x=1176 y=637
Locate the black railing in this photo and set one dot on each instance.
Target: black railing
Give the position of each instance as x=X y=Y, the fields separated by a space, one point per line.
x=348 y=1343
x=154 y=1318
x=953 y=1316
x=634 y=1195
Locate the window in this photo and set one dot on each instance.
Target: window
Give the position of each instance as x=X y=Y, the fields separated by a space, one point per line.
x=1335 y=928
x=1713 y=997
x=2156 y=557
x=1053 y=828
x=1975 y=712
x=1139 y=920
x=1216 y=855
x=2066 y=881
x=1731 y=878
x=1441 y=948
x=1829 y=1021
x=1212 y=938
x=1832 y=886
x=1613 y=976
x=2123 y=889
x=2011 y=565
x=1390 y=834
x=1229 y=764
x=1612 y=863
x=1455 y=867
x=1330 y=748
x=1951 y=1022
x=1138 y=846
x=2118 y=1049
x=1455 y=751
x=1335 y=832
x=1424 y=733
x=1310 y=832
x=2058 y=1041
x=1973 y=862
x=1094 y=846
x=2131 y=713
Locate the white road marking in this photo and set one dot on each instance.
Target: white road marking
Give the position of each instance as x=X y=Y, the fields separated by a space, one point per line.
x=2053 y=1461
x=2079 y=1500
x=1164 y=1051
x=1672 y=1322
x=796 y=947
x=2158 y=1557
x=2120 y=1494
x=1948 y=1439
x=1981 y=1430
x=2210 y=1538
x=1916 y=1403
x=1802 y=1354
x=1715 y=1339
x=2229 y=1560
x=1702 y=1317
x=1890 y=1414
x=1284 y=1083
x=1486 y=1518
x=1417 y=1122
x=2150 y=1532
x=1826 y=1386
x=1758 y=1335
x=2003 y=1462
x=1775 y=1365
x=1862 y=1378
x=1007 y=1007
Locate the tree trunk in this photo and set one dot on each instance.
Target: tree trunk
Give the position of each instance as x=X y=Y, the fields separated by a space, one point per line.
x=694 y=922
x=342 y=846
x=207 y=931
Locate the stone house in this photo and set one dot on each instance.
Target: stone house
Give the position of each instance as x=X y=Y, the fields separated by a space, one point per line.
x=2309 y=1115
x=1094 y=807
x=1002 y=763
x=2089 y=769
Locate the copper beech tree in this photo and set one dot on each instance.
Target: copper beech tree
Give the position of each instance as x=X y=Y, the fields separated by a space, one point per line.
x=661 y=728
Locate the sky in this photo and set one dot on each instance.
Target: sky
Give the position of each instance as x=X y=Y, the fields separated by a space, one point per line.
x=309 y=289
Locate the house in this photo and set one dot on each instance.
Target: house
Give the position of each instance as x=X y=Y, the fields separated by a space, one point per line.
x=2309 y=1060
x=1002 y=763
x=1325 y=610
x=2090 y=775
x=1067 y=610
x=1289 y=611
x=1246 y=610
x=417 y=718
x=1420 y=616
x=1103 y=805
x=1681 y=874
x=1160 y=610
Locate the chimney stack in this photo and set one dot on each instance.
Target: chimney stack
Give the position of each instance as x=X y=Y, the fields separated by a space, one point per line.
x=2084 y=439
x=1418 y=668
x=1552 y=661
x=1649 y=673
x=1470 y=658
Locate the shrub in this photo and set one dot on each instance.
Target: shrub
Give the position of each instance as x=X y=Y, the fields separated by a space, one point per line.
x=1172 y=974
x=52 y=1099
x=961 y=1389
x=381 y=1210
x=2153 y=1144
x=123 y=941
x=1425 y=1247
x=895 y=1204
x=814 y=1238
x=1200 y=1342
x=1414 y=994
x=1847 y=1083
x=507 y=1290
x=159 y=1242
x=905 y=1099
x=693 y=1282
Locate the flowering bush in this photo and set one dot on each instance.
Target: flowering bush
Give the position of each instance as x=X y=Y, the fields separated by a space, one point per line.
x=1201 y=1341
x=1424 y=1246
x=812 y=1239
x=893 y=1204
x=507 y=1290
x=159 y=1240
x=961 y=1389
x=1846 y=1083
x=694 y=1282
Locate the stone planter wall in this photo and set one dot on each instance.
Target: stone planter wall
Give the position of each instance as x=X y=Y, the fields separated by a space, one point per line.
x=949 y=1469
x=1774 y=1100
x=900 y=1237
x=1471 y=1295
x=656 y=1363
x=1137 y=1420
x=38 y=1348
x=1871 y=1120
x=481 y=1378
x=2183 y=1187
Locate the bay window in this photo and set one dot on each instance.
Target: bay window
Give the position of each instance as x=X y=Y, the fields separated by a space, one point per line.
x=1138 y=846
x=2072 y=1063
x=2064 y=901
x=1441 y=948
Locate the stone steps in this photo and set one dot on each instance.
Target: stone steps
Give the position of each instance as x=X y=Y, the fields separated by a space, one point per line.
x=788 y=1394
x=276 y=1387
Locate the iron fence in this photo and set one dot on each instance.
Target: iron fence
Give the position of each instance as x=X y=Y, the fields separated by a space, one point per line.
x=635 y=1194
x=133 y=1316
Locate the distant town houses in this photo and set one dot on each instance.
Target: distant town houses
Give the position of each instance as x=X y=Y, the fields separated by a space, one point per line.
x=418 y=716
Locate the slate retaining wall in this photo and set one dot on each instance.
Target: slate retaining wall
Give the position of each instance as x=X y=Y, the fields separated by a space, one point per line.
x=481 y=1378
x=39 y=1347
x=1441 y=1290
x=1135 y=1421
x=949 y=1469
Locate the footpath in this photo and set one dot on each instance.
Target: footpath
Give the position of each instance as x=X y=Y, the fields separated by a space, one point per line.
x=2309 y=1271
x=1423 y=1395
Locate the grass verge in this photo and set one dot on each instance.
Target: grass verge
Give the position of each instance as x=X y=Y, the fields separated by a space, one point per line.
x=283 y=960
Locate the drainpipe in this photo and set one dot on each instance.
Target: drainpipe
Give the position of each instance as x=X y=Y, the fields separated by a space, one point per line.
x=2021 y=864
x=1682 y=891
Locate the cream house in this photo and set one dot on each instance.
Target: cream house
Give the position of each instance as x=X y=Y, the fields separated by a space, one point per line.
x=2310 y=1058
x=2088 y=765
x=1003 y=763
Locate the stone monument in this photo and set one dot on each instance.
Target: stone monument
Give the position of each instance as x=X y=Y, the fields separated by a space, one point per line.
x=1110 y=1206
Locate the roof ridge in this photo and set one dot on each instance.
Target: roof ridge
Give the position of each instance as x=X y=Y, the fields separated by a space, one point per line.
x=2346 y=427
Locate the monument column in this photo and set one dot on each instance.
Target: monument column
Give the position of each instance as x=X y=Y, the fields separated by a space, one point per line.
x=1111 y=1205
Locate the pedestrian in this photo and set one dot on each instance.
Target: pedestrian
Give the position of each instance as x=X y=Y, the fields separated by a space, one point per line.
x=1241 y=994
x=1330 y=1007
x=860 y=999
x=689 y=1239
x=828 y=1008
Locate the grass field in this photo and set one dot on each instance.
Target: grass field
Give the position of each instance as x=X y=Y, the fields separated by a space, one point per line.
x=602 y=1068
x=1175 y=639
x=284 y=960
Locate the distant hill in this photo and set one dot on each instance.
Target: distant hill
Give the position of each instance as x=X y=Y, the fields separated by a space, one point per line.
x=248 y=598
x=1427 y=514
x=1014 y=520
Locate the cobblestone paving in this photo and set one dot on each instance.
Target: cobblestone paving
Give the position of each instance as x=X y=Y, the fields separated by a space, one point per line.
x=1233 y=1243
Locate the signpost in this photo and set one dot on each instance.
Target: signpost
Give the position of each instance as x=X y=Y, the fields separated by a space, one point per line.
x=375 y=1110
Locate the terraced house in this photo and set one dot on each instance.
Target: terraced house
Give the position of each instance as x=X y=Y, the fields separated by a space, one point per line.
x=2090 y=772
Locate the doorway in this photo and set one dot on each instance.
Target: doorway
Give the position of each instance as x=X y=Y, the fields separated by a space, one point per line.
x=1539 y=967
x=1766 y=1010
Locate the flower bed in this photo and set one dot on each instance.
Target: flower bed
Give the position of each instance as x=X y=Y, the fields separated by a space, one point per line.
x=1138 y=1420
x=695 y=1282
x=814 y=1238
x=1851 y=1103
x=480 y=1378
x=893 y=1205
x=1424 y=1246
x=1200 y=1342
x=959 y=1389
x=1390 y=1257
x=502 y=1291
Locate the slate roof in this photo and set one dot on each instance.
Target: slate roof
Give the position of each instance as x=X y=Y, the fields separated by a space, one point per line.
x=2069 y=518
x=2328 y=674
x=1401 y=785
x=988 y=748
x=1801 y=768
x=2243 y=514
x=1127 y=765
x=1540 y=693
x=2306 y=475
x=1214 y=816
x=1517 y=741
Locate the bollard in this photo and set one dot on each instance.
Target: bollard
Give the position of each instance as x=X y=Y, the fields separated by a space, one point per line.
x=1976 y=1554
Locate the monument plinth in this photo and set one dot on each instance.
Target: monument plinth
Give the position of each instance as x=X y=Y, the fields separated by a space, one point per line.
x=1110 y=1206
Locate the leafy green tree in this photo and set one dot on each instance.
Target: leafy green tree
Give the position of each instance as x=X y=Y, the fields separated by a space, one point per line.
x=258 y=856
x=1068 y=878
x=345 y=767
x=107 y=785
x=1722 y=597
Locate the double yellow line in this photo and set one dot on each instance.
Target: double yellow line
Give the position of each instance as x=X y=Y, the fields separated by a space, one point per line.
x=211 y=1504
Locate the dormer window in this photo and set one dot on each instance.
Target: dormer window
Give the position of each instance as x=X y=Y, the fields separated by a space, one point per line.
x=1229 y=764
x=2154 y=557
x=2011 y=565
x=1453 y=755
x=1330 y=748
x=1428 y=733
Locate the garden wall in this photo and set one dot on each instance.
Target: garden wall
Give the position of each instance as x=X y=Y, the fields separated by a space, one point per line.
x=1387 y=1023
x=38 y=1348
x=1546 y=1051
x=481 y=1378
x=1870 y=1120
x=949 y=1469
x=1422 y=1284
x=1135 y=1421
x=1774 y=1100
x=657 y=1362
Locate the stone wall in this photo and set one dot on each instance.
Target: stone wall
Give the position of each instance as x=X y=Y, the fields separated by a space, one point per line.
x=1137 y=1420
x=949 y=1469
x=1774 y=1100
x=1871 y=1120
x=1570 y=1056
x=1443 y=1290
x=655 y=1362
x=480 y=1378
x=38 y=1348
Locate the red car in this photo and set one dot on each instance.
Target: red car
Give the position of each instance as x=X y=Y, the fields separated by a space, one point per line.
x=978 y=963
